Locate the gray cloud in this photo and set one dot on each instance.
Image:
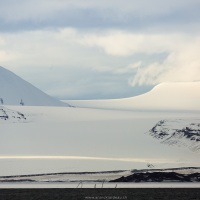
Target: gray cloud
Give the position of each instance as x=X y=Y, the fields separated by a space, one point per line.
x=93 y=48
x=135 y=15
x=67 y=83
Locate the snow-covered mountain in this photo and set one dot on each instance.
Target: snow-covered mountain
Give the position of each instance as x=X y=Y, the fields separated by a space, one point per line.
x=16 y=91
x=181 y=132
x=165 y=96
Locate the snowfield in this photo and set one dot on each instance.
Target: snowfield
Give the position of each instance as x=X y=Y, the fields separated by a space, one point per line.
x=64 y=139
x=156 y=130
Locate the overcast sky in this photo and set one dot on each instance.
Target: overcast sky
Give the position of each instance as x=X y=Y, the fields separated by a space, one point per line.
x=89 y=49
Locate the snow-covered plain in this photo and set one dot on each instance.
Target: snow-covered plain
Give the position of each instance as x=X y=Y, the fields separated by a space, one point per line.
x=98 y=135
x=64 y=139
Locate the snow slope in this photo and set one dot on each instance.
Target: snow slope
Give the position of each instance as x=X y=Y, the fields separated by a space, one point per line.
x=181 y=132
x=165 y=96
x=13 y=89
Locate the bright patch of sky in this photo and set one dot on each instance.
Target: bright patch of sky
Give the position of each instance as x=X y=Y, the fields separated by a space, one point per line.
x=93 y=49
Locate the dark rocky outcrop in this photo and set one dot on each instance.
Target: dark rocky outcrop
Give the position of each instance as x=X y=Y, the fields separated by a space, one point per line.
x=180 y=132
x=159 y=177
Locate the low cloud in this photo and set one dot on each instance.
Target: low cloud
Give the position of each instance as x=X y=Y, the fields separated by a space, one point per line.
x=136 y=58
x=122 y=43
x=181 y=64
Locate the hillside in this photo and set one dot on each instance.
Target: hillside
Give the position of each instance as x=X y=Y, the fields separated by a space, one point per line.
x=165 y=96
x=180 y=132
x=16 y=91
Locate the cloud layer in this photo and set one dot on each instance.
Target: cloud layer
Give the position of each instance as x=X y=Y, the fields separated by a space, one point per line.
x=121 y=44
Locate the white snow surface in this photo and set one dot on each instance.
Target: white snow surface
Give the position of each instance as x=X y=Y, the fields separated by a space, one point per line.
x=64 y=139
x=103 y=135
x=71 y=177
x=165 y=96
x=13 y=89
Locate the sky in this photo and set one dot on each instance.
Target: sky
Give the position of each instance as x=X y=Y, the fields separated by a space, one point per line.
x=96 y=49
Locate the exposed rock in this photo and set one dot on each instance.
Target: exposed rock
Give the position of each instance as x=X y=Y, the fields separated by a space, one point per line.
x=181 y=132
x=11 y=115
x=159 y=177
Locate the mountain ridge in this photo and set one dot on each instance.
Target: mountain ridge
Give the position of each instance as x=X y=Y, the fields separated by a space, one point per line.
x=16 y=91
x=165 y=96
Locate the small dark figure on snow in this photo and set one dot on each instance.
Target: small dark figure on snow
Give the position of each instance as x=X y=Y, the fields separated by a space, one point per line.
x=1 y=100
x=21 y=103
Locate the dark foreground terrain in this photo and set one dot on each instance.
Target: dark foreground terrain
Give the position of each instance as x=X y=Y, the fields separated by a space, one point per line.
x=88 y=194
x=159 y=177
